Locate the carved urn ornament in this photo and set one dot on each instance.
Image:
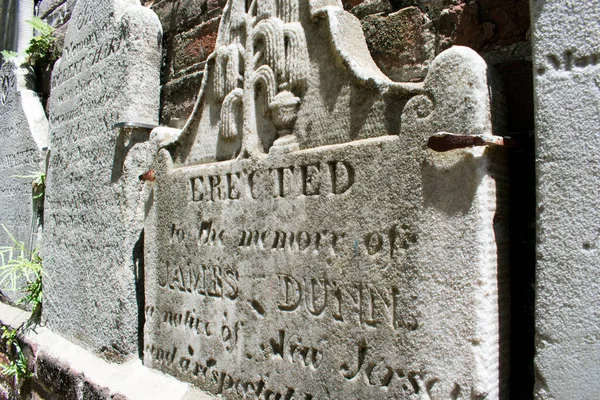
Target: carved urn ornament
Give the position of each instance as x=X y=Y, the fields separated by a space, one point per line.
x=284 y=112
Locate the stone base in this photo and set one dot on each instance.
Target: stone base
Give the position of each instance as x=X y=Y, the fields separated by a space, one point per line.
x=62 y=369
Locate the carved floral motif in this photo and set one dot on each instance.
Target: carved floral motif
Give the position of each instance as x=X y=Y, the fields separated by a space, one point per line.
x=272 y=60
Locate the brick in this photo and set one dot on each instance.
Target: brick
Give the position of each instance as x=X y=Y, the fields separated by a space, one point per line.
x=178 y=99
x=194 y=46
x=56 y=378
x=91 y=391
x=483 y=25
x=191 y=13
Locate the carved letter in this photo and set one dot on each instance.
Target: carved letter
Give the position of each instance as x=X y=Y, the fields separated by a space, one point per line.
x=362 y=352
x=197 y=185
x=310 y=296
x=342 y=175
x=311 y=180
x=292 y=293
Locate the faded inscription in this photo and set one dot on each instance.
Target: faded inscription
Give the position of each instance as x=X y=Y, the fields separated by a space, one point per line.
x=108 y=73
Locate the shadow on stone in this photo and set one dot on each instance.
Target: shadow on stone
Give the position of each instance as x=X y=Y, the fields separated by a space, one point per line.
x=138 y=263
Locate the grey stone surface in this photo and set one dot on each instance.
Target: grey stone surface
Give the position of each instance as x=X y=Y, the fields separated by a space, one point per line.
x=303 y=242
x=567 y=90
x=23 y=137
x=108 y=73
x=45 y=7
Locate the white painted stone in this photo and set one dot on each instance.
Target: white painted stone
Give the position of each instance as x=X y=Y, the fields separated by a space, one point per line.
x=566 y=56
x=302 y=240
x=9 y=39
x=23 y=139
x=108 y=73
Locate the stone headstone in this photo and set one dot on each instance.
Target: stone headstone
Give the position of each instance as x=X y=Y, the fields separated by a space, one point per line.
x=23 y=141
x=567 y=93
x=303 y=242
x=108 y=73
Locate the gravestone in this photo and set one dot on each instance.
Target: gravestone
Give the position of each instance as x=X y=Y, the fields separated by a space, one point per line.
x=567 y=92
x=303 y=242
x=23 y=142
x=108 y=73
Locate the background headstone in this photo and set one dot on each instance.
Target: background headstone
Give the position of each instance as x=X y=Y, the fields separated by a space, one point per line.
x=566 y=60
x=108 y=73
x=303 y=242
x=23 y=142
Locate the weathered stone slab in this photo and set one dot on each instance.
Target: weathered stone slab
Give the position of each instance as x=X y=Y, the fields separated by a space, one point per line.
x=304 y=243
x=108 y=73
x=567 y=93
x=23 y=141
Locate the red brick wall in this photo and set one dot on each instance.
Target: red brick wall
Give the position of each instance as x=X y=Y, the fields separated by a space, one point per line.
x=403 y=36
x=190 y=32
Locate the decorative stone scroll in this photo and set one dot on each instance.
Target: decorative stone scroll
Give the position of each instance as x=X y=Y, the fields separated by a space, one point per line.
x=23 y=141
x=304 y=243
x=108 y=73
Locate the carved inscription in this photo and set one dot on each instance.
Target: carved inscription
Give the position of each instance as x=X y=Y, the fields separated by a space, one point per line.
x=205 y=373
x=280 y=280
x=291 y=241
x=301 y=180
x=381 y=374
x=385 y=244
x=359 y=302
x=206 y=235
x=569 y=60
x=193 y=322
x=207 y=280
x=17 y=159
x=292 y=349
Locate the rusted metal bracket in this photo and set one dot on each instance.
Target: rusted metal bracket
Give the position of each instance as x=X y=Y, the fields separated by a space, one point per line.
x=446 y=141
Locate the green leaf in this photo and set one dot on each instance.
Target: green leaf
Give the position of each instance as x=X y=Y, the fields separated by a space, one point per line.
x=9 y=55
x=39 y=25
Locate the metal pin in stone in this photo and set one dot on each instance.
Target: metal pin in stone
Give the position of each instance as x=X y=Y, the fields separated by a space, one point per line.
x=148 y=176
x=446 y=141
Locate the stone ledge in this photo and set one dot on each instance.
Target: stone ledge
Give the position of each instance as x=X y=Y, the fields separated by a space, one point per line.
x=67 y=370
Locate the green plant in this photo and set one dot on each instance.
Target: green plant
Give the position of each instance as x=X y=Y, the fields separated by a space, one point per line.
x=17 y=367
x=9 y=55
x=40 y=46
x=18 y=263
x=38 y=183
x=21 y=270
